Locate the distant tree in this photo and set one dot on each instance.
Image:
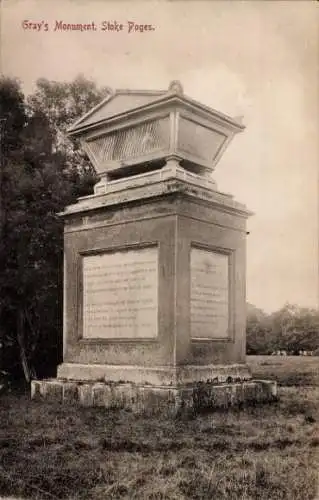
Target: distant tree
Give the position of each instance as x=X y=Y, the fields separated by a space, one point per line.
x=291 y=328
x=296 y=328
x=40 y=176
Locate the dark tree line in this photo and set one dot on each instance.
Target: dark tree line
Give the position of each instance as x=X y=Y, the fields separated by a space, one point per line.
x=41 y=173
x=291 y=329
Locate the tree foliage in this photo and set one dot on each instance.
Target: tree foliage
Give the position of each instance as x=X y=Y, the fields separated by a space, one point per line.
x=62 y=103
x=39 y=177
x=291 y=328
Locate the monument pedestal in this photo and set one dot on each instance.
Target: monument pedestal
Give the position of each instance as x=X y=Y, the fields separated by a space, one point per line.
x=154 y=311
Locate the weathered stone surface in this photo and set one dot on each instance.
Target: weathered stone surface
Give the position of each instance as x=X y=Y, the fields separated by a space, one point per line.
x=120 y=294
x=102 y=394
x=158 y=375
x=168 y=401
x=209 y=301
x=54 y=391
x=85 y=394
x=70 y=393
x=36 y=390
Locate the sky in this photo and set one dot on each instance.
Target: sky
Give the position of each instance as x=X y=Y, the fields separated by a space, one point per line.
x=255 y=59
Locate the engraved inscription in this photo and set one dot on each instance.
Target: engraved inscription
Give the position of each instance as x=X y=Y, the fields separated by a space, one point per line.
x=209 y=294
x=120 y=294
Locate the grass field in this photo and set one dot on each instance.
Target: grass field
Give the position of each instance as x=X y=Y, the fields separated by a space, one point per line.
x=287 y=370
x=267 y=453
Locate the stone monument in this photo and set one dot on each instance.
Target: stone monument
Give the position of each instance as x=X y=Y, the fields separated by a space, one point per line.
x=154 y=263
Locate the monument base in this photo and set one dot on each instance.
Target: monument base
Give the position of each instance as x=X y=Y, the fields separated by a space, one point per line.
x=154 y=400
x=156 y=375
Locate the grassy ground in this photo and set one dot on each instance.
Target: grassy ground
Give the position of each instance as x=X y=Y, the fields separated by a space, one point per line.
x=287 y=370
x=263 y=453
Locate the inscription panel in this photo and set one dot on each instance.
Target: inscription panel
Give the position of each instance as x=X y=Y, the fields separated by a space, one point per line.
x=209 y=294
x=120 y=298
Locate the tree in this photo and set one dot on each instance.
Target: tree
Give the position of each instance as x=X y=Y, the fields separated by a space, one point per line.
x=40 y=176
x=291 y=328
x=12 y=122
x=258 y=332
x=296 y=328
x=62 y=103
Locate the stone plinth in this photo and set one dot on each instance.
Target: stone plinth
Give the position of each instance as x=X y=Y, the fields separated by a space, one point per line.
x=155 y=400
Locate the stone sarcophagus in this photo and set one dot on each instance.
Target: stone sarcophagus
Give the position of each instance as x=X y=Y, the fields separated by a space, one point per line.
x=154 y=262
x=153 y=127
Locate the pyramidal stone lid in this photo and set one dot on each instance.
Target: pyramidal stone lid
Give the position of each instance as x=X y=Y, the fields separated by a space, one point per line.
x=114 y=104
x=132 y=130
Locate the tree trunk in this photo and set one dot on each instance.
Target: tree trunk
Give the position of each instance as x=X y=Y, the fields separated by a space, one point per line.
x=21 y=343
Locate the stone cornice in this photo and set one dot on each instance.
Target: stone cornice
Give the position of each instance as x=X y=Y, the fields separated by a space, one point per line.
x=158 y=190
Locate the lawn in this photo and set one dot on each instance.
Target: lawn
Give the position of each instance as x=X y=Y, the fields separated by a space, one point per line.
x=266 y=453
x=287 y=370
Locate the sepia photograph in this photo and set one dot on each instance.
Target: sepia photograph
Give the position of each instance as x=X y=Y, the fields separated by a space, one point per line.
x=159 y=249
